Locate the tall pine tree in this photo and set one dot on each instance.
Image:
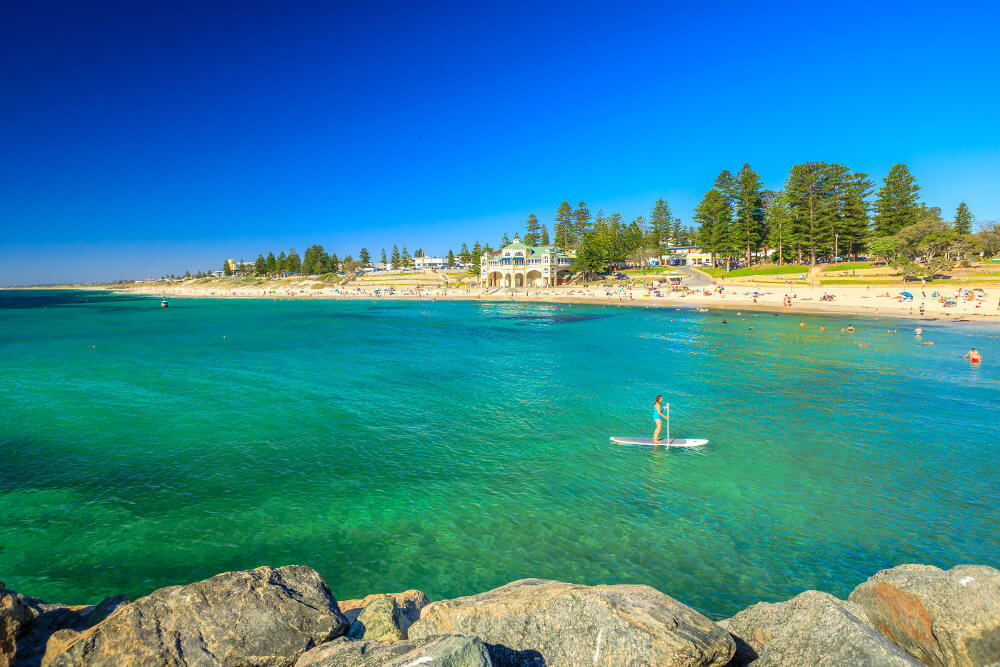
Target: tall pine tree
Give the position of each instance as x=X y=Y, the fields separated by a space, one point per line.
x=897 y=204
x=779 y=224
x=545 y=235
x=660 y=219
x=812 y=198
x=713 y=217
x=564 y=225
x=531 y=235
x=963 y=219
x=748 y=227
x=581 y=222
x=855 y=221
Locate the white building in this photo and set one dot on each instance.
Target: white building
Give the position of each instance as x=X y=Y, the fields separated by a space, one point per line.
x=520 y=265
x=426 y=263
x=687 y=255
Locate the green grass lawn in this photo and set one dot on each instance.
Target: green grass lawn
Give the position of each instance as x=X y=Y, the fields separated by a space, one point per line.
x=848 y=266
x=861 y=281
x=759 y=271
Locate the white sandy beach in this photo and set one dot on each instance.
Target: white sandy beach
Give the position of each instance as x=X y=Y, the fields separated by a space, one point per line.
x=871 y=301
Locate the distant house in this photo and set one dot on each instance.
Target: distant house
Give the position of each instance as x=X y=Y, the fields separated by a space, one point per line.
x=686 y=255
x=218 y=274
x=520 y=265
x=425 y=263
x=239 y=267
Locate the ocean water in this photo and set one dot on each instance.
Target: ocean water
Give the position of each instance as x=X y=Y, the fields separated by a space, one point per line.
x=454 y=447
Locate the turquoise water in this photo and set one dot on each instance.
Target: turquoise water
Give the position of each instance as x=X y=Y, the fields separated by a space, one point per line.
x=454 y=447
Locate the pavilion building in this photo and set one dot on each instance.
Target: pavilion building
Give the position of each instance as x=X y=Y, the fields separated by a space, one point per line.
x=521 y=265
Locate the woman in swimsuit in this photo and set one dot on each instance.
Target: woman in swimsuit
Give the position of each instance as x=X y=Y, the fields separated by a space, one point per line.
x=658 y=417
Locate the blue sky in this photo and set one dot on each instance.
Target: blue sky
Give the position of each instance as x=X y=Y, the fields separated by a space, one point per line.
x=142 y=138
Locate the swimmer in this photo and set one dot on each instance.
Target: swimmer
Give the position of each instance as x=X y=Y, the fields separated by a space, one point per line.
x=822 y=328
x=802 y=324
x=850 y=328
x=862 y=345
x=973 y=356
x=918 y=332
x=926 y=342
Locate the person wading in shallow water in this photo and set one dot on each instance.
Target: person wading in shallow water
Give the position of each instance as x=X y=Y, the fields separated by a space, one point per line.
x=972 y=355
x=658 y=417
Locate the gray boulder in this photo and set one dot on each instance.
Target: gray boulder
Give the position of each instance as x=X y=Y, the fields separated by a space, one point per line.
x=27 y=623
x=14 y=615
x=441 y=651
x=943 y=617
x=534 y=621
x=378 y=621
x=409 y=602
x=813 y=628
x=264 y=616
x=99 y=612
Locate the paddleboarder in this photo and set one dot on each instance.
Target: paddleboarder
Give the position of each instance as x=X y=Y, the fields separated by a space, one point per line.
x=658 y=417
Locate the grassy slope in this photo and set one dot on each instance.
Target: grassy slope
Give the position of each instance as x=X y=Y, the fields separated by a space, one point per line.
x=756 y=271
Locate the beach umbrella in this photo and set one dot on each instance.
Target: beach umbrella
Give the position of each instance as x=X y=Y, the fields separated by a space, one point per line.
x=906 y=294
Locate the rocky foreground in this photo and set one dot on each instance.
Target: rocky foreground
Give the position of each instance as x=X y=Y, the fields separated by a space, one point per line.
x=908 y=615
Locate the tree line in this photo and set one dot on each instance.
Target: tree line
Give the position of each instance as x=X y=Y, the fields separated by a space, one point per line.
x=317 y=261
x=823 y=210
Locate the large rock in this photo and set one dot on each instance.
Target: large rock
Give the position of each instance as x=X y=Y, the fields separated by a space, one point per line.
x=409 y=602
x=942 y=617
x=378 y=621
x=265 y=616
x=812 y=628
x=441 y=651
x=538 y=621
x=27 y=623
x=14 y=615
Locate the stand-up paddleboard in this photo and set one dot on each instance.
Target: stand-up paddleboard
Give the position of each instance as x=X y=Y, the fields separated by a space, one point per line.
x=648 y=442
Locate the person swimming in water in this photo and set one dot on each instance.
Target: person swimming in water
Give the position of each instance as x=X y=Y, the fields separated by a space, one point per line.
x=973 y=356
x=658 y=418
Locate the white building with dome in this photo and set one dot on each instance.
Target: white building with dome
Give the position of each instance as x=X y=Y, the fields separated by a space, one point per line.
x=521 y=265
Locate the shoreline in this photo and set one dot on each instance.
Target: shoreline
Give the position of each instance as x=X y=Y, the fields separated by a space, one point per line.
x=847 y=302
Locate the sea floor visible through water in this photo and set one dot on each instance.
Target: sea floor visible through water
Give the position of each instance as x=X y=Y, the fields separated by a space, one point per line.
x=456 y=446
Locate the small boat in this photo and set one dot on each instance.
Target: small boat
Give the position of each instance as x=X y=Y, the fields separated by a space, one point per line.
x=164 y=304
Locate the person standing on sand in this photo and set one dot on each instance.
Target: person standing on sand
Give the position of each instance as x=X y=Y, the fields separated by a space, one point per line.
x=658 y=418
